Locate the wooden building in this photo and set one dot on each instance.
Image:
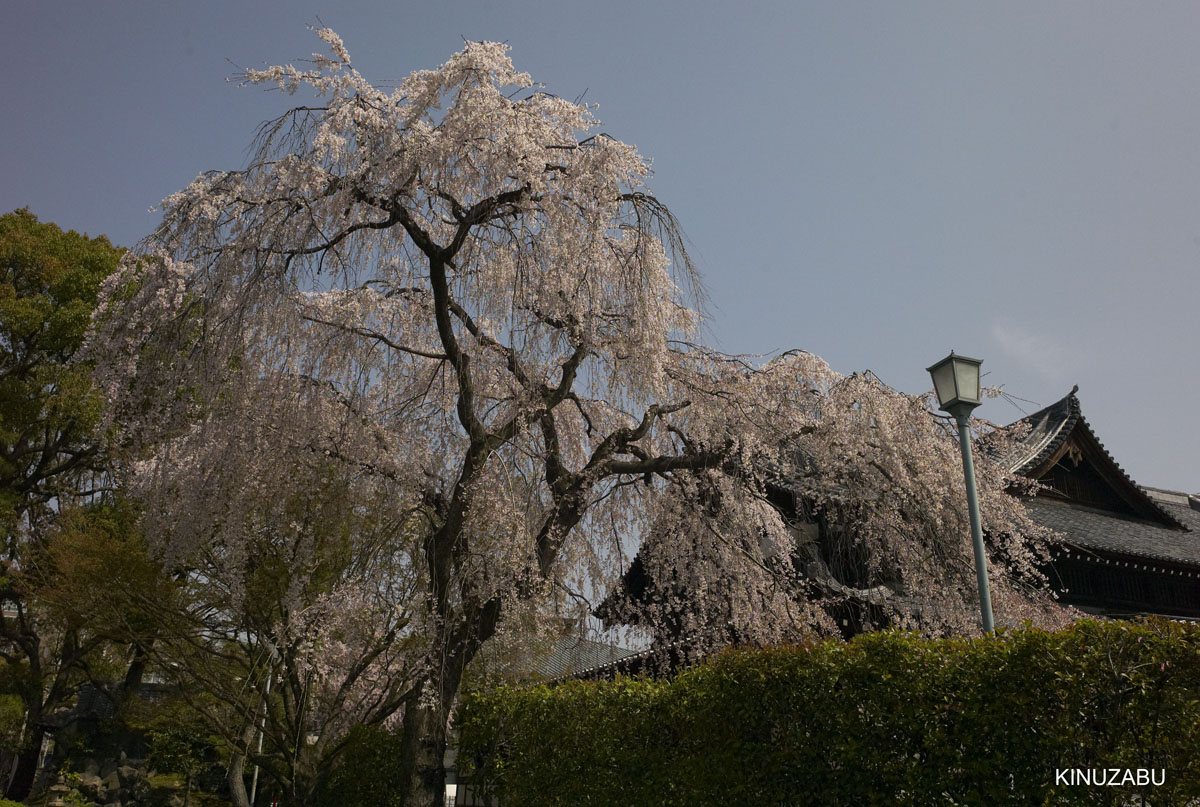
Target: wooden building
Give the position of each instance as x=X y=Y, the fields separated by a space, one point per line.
x=1128 y=550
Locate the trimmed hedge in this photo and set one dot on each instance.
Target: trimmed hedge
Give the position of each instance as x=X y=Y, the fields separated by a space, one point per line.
x=889 y=718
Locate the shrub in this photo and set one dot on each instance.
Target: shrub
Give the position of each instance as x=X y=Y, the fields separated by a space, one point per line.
x=889 y=718
x=366 y=774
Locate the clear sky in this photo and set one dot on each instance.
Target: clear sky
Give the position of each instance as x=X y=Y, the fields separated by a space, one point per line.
x=873 y=182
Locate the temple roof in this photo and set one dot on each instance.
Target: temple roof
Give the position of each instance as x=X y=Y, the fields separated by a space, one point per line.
x=1048 y=430
x=1060 y=433
x=1101 y=530
x=1103 y=509
x=576 y=657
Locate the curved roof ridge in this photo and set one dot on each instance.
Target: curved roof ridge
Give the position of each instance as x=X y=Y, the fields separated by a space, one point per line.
x=1048 y=428
x=1146 y=497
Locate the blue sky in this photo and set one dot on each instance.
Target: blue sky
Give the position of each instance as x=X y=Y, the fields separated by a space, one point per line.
x=874 y=182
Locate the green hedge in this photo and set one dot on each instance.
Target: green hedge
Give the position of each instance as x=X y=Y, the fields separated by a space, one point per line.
x=888 y=719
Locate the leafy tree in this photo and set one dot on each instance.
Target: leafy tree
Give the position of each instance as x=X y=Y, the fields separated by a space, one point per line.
x=302 y=637
x=299 y=656
x=179 y=749
x=49 y=280
x=49 y=447
x=460 y=301
x=179 y=743
x=95 y=574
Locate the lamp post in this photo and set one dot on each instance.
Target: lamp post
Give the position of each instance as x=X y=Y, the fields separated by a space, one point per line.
x=956 y=381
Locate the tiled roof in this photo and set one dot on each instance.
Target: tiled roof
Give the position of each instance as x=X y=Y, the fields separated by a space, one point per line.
x=573 y=656
x=1102 y=530
x=1052 y=426
x=1048 y=429
x=1175 y=538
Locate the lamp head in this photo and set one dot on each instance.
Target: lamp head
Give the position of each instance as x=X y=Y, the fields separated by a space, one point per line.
x=956 y=382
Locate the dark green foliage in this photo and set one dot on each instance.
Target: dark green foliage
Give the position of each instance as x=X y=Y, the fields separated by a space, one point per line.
x=49 y=281
x=367 y=774
x=888 y=719
x=50 y=457
x=178 y=739
x=181 y=749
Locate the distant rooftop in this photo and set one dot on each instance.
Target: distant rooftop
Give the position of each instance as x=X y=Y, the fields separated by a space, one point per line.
x=575 y=657
x=1154 y=523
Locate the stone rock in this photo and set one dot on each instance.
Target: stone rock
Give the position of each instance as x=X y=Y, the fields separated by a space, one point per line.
x=141 y=789
x=112 y=782
x=128 y=774
x=90 y=786
x=91 y=766
x=175 y=801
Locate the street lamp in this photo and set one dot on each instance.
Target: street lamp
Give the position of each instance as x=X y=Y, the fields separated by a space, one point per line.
x=956 y=382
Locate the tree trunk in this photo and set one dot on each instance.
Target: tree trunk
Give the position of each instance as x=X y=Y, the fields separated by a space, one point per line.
x=305 y=777
x=237 y=766
x=423 y=738
x=27 y=760
x=422 y=750
x=423 y=730
x=137 y=670
x=8 y=766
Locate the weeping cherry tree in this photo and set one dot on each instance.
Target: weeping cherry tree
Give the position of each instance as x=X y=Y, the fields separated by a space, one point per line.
x=460 y=299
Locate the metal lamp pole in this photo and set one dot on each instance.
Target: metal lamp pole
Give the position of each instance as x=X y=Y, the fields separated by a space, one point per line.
x=985 y=594
x=956 y=382
x=262 y=728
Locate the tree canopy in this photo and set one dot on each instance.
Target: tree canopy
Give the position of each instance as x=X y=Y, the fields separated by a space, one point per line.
x=49 y=281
